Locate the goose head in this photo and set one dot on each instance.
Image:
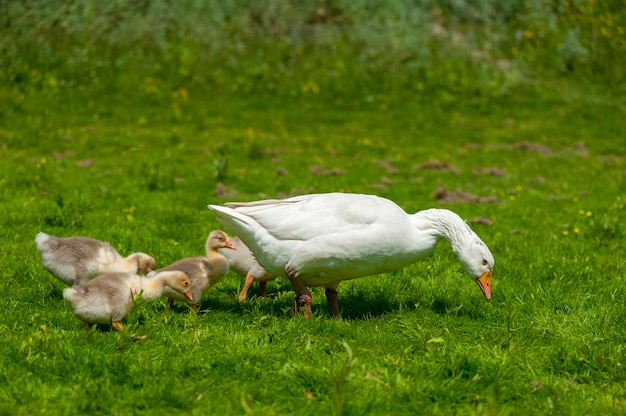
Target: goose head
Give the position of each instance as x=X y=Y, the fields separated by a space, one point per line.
x=473 y=254
x=478 y=262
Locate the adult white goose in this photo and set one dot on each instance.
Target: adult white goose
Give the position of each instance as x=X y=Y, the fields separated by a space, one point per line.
x=243 y=262
x=204 y=272
x=108 y=298
x=322 y=239
x=76 y=260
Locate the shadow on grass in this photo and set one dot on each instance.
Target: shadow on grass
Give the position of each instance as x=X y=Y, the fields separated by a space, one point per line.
x=54 y=290
x=352 y=306
x=362 y=306
x=100 y=328
x=355 y=305
x=357 y=308
x=454 y=307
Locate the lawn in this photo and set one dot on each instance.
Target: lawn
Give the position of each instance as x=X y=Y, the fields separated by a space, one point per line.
x=541 y=183
x=537 y=170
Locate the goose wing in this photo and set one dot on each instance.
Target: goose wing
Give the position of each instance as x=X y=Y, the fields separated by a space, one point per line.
x=311 y=216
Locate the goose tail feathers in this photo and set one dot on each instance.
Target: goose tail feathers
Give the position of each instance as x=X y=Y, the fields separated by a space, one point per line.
x=230 y=218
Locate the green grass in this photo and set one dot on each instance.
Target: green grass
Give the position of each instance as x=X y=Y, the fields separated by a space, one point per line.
x=139 y=172
x=122 y=121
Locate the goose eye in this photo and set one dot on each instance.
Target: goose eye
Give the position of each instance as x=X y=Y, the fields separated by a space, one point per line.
x=485 y=262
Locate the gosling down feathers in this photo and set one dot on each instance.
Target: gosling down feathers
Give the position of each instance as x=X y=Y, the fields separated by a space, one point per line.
x=203 y=272
x=323 y=239
x=76 y=260
x=108 y=298
x=243 y=263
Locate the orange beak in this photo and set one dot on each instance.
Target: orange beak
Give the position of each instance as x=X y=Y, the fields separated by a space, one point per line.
x=189 y=295
x=230 y=245
x=484 y=282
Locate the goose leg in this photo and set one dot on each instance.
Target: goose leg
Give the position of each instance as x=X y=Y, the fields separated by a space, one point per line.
x=331 y=296
x=303 y=297
x=246 y=286
x=263 y=287
x=117 y=325
x=86 y=325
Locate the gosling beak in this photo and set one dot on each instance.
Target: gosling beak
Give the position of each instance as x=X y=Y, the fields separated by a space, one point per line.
x=188 y=294
x=484 y=282
x=228 y=244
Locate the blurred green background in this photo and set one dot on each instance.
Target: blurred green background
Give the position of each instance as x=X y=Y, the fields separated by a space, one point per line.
x=340 y=48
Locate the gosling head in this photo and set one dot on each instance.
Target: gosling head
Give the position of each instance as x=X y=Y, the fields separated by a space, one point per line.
x=218 y=239
x=145 y=263
x=179 y=282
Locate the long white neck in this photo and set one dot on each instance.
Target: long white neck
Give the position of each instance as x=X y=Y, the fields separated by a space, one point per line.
x=444 y=223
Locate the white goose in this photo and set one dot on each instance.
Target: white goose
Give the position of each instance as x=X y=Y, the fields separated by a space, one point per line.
x=108 y=298
x=204 y=272
x=243 y=263
x=322 y=239
x=76 y=260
